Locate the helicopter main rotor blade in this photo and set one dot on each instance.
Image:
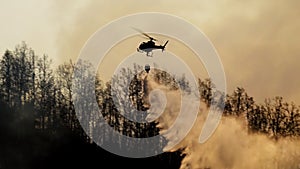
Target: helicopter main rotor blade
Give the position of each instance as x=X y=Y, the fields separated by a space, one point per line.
x=144 y=34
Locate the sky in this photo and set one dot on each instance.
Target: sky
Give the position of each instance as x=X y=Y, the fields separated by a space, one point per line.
x=257 y=41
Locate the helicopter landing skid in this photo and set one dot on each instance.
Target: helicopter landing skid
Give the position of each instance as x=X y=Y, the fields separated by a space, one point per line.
x=147 y=53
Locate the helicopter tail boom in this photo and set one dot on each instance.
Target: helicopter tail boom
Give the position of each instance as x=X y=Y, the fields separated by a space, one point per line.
x=163 y=47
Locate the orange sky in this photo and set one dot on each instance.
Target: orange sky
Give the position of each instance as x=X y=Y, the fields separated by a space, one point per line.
x=256 y=40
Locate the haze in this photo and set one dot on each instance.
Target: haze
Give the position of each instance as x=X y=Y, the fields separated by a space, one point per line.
x=256 y=40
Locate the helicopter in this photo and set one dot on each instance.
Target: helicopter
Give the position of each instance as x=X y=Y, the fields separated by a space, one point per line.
x=150 y=45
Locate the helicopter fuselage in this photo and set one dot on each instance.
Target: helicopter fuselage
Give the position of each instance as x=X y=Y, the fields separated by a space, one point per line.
x=149 y=46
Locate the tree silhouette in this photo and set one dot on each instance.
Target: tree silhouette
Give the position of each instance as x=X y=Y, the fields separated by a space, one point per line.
x=275 y=117
x=6 y=77
x=64 y=94
x=39 y=125
x=45 y=101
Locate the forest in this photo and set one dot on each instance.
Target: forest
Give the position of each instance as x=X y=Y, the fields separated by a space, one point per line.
x=39 y=127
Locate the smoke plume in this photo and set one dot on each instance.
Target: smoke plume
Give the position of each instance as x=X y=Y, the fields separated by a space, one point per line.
x=231 y=146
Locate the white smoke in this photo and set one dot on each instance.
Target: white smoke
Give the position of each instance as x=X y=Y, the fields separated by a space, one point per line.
x=230 y=147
